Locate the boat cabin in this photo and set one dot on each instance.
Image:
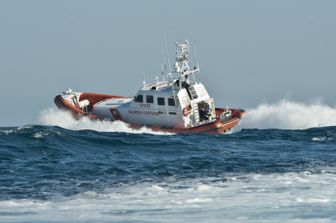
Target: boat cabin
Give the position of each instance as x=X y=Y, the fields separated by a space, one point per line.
x=176 y=102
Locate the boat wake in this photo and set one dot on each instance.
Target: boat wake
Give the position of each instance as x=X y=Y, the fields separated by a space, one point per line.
x=287 y=114
x=64 y=119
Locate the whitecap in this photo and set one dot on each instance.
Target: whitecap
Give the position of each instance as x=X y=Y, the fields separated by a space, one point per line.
x=39 y=135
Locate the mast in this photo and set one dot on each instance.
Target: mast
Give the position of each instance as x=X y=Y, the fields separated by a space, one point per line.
x=182 y=67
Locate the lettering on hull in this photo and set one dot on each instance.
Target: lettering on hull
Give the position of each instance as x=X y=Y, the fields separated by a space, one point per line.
x=143 y=112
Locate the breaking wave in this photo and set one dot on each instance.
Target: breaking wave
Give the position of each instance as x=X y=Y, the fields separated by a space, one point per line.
x=287 y=114
x=64 y=119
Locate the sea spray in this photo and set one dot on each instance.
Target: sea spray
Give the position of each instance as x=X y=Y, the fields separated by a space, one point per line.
x=64 y=119
x=287 y=114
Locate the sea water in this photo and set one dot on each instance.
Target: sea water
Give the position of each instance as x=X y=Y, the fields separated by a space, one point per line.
x=279 y=165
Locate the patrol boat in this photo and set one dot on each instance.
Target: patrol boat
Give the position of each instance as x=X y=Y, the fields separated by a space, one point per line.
x=177 y=104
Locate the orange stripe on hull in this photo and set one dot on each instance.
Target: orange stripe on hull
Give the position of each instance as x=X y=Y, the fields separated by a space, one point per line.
x=216 y=127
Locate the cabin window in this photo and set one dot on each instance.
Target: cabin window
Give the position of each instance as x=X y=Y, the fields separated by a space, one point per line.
x=171 y=102
x=139 y=98
x=192 y=93
x=160 y=101
x=149 y=98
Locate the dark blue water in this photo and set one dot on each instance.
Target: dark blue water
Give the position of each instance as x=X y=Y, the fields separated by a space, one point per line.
x=44 y=162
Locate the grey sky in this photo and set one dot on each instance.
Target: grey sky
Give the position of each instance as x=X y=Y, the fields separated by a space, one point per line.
x=249 y=51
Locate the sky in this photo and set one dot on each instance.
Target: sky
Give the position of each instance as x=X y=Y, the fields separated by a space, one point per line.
x=250 y=52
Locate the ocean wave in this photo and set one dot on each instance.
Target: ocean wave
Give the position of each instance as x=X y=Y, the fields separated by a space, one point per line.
x=33 y=131
x=51 y=160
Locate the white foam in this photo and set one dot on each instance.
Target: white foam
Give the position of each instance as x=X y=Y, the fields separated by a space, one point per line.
x=7 y=132
x=247 y=198
x=64 y=119
x=15 y=130
x=39 y=135
x=322 y=138
x=287 y=114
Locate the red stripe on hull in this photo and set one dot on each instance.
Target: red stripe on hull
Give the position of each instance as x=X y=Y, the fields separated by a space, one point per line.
x=115 y=113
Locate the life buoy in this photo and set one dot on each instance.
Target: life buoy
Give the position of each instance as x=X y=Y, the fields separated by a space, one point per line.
x=186 y=111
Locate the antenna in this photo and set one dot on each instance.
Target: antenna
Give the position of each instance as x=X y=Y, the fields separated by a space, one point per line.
x=195 y=52
x=169 y=67
x=163 y=72
x=144 y=79
x=167 y=54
